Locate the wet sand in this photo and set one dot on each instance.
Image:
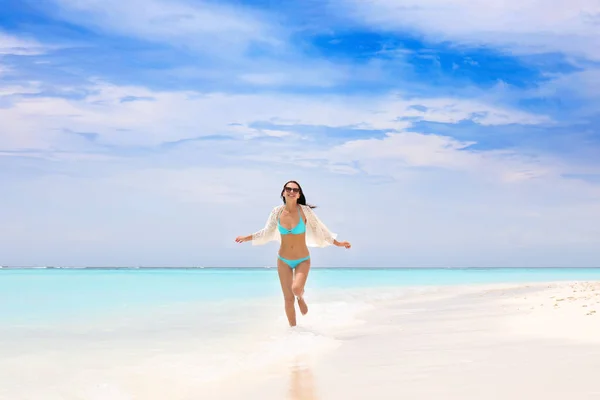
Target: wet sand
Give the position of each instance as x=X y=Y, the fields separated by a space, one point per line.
x=517 y=341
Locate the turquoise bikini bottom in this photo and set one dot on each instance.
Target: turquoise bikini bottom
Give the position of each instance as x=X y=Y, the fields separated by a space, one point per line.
x=293 y=263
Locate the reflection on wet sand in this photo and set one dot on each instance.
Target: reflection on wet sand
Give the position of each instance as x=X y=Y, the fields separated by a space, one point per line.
x=302 y=385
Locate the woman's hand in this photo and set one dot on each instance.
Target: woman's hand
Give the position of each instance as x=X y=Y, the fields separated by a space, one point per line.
x=242 y=239
x=342 y=244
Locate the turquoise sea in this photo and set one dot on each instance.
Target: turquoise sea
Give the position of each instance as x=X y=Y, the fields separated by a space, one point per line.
x=69 y=333
x=47 y=294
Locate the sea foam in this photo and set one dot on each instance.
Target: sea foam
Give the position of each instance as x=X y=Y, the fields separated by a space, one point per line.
x=169 y=352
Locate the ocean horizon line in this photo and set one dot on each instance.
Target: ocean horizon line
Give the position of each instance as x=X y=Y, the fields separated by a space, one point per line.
x=274 y=267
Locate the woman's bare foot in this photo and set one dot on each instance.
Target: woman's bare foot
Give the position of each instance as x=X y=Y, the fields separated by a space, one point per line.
x=302 y=305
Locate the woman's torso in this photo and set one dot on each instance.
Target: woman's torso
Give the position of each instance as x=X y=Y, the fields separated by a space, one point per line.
x=292 y=227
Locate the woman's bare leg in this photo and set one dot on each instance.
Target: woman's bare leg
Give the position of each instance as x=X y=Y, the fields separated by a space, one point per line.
x=286 y=278
x=298 y=284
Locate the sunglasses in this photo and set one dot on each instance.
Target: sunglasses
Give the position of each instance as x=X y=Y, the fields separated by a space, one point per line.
x=290 y=189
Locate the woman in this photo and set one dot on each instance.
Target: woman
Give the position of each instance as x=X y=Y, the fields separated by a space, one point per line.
x=295 y=225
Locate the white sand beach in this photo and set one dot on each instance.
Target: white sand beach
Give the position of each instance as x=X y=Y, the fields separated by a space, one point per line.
x=509 y=341
x=531 y=341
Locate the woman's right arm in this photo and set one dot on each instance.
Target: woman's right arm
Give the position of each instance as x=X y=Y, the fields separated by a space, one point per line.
x=265 y=234
x=242 y=239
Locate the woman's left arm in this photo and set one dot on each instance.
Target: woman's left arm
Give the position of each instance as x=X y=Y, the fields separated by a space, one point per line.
x=324 y=232
x=342 y=244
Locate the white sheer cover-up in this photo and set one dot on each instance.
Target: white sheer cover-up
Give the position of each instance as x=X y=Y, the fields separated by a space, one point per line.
x=317 y=234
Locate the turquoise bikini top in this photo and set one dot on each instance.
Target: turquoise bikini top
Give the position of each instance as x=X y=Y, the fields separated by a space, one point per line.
x=298 y=229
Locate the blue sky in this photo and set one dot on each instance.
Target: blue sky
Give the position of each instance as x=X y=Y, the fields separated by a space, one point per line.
x=429 y=133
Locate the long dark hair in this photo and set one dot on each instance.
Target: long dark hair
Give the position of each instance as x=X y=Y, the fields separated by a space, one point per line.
x=301 y=198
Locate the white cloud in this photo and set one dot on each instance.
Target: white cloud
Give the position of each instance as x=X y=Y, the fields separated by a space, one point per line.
x=411 y=155
x=213 y=185
x=451 y=110
x=583 y=85
x=399 y=152
x=156 y=117
x=202 y=25
x=276 y=74
x=579 y=91
x=14 y=45
x=224 y=37
x=523 y=26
